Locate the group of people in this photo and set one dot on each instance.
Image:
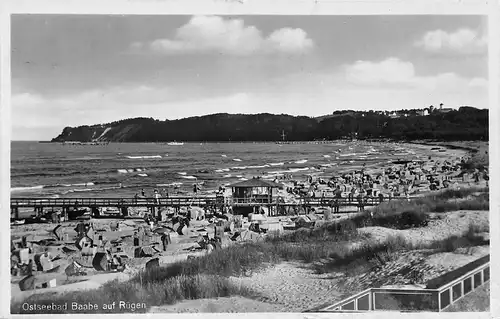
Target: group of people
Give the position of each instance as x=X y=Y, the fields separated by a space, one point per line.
x=401 y=179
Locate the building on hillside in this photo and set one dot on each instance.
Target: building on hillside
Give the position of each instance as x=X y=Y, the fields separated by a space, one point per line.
x=444 y=110
x=423 y=112
x=394 y=114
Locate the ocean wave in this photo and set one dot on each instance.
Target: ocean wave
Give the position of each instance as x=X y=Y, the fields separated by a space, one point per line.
x=26 y=188
x=144 y=157
x=42 y=174
x=182 y=173
x=239 y=167
x=188 y=177
x=169 y=184
x=227 y=176
x=270 y=176
x=142 y=175
x=222 y=170
x=85 y=158
x=328 y=165
x=348 y=154
x=258 y=166
x=300 y=162
x=277 y=164
x=79 y=184
x=77 y=190
x=224 y=155
x=236 y=159
x=327 y=156
x=122 y=171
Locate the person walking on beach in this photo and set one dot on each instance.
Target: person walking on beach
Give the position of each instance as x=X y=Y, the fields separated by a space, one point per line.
x=143 y=193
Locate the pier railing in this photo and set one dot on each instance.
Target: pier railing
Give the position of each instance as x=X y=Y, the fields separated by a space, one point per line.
x=439 y=294
x=17 y=202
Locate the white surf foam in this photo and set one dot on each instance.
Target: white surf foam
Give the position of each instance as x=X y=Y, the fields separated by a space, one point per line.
x=237 y=160
x=239 y=167
x=78 y=184
x=224 y=155
x=348 y=154
x=277 y=164
x=122 y=171
x=294 y=170
x=301 y=161
x=258 y=166
x=188 y=177
x=144 y=157
x=327 y=156
x=27 y=188
x=182 y=173
x=169 y=184
x=142 y=175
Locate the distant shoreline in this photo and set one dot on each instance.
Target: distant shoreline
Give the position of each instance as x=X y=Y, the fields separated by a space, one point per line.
x=468 y=145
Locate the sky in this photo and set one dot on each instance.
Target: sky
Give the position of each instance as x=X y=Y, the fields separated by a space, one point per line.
x=71 y=70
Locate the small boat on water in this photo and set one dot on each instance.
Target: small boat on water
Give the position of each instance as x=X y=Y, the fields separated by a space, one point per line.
x=175 y=143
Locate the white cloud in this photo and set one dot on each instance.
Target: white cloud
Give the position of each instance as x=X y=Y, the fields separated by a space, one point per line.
x=228 y=36
x=391 y=70
x=383 y=85
x=478 y=82
x=396 y=73
x=462 y=41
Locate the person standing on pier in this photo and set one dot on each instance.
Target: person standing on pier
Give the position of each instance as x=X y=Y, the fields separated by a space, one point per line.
x=157 y=197
x=338 y=199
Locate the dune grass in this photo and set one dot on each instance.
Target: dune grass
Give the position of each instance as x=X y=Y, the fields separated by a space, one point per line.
x=370 y=254
x=142 y=294
x=403 y=214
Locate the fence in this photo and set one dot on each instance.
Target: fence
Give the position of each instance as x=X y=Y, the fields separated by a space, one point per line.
x=439 y=294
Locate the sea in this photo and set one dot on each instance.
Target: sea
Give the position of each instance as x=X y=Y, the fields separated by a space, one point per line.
x=56 y=170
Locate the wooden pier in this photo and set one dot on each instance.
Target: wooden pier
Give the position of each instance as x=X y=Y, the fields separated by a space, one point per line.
x=276 y=205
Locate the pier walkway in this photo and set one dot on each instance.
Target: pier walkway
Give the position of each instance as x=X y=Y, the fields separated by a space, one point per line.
x=39 y=204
